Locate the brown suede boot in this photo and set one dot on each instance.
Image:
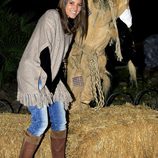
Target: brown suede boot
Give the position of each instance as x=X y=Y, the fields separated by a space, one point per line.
x=29 y=146
x=58 y=143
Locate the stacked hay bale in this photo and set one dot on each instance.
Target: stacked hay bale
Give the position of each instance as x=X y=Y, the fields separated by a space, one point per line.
x=122 y=131
x=12 y=127
x=113 y=132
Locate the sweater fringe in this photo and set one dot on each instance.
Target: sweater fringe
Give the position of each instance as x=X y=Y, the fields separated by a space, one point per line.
x=44 y=97
x=62 y=94
x=38 y=100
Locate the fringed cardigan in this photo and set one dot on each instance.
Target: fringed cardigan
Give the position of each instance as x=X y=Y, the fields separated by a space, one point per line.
x=47 y=33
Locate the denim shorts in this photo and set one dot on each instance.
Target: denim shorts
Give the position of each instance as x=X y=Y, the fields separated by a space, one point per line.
x=40 y=118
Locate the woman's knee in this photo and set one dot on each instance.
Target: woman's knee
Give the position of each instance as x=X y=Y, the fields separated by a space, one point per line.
x=57 y=116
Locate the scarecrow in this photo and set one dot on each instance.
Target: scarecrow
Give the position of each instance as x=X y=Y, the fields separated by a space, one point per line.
x=87 y=76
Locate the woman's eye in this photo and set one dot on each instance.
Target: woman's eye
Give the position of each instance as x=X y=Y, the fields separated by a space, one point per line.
x=71 y=2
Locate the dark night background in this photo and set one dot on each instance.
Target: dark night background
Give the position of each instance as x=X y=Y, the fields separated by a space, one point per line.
x=15 y=35
x=144 y=16
x=144 y=13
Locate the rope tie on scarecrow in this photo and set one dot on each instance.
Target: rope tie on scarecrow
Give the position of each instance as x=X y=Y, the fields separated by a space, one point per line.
x=117 y=45
x=94 y=72
x=96 y=80
x=104 y=4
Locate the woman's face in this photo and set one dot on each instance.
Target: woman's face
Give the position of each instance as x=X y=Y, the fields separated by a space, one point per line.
x=73 y=8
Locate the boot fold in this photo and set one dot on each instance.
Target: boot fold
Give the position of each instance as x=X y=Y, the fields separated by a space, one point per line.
x=58 y=143
x=29 y=146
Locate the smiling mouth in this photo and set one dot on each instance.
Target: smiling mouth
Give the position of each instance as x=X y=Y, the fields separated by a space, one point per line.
x=72 y=11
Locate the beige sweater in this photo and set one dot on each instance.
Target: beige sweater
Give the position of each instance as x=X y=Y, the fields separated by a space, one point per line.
x=48 y=33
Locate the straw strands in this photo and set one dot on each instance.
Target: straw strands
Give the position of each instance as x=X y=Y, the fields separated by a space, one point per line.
x=12 y=128
x=121 y=131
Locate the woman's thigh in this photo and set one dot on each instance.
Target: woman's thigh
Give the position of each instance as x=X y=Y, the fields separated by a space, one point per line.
x=39 y=120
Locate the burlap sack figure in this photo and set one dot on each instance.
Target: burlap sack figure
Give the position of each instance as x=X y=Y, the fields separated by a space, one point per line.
x=87 y=75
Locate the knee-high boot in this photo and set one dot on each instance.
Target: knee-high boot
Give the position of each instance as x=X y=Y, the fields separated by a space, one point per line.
x=29 y=146
x=58 y=143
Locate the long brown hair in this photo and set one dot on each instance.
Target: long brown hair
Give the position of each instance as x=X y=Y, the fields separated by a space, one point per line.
x=80 y=22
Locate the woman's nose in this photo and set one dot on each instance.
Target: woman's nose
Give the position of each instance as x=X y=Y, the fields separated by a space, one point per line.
x=75 y=7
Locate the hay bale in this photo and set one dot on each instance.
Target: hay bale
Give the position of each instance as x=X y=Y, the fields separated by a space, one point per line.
x=122 y=131
x=11 y=136
x=114 y=132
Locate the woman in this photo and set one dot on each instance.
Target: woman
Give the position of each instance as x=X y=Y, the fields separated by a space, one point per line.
x=39 y=84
